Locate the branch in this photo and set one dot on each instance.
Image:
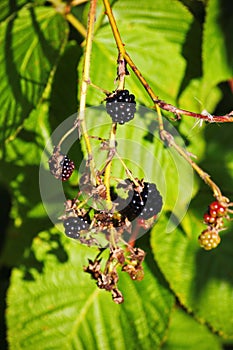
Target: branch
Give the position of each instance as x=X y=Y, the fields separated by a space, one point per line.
x=84 y=85
x=159 y=104
x=162 y=104
x=204 y=116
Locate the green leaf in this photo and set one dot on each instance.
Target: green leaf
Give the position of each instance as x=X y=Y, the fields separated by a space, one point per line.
x=29 y=54
x=217 y=42
x=8 y=8
x=53 y=304
x=201 y=280
x=186 y=333
x=153 y=33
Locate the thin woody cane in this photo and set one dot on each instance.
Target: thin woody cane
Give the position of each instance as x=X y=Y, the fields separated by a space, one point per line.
x=166 y=136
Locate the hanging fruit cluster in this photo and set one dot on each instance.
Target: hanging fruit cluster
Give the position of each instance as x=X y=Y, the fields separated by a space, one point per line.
x=109 y=217
x=214 y=218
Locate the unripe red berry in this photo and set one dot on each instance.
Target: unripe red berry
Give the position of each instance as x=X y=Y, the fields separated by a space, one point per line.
x=208 y=219
x=214 y=205
x=222 y=211
x=218 y=208
x=213 y=213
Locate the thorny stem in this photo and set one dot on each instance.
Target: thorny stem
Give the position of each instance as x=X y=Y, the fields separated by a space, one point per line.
x=168 y=107
x=84 y=85
x=207 y=117
x=123 y=52
x=121 y=73
x=107 y=172
x=162 y=104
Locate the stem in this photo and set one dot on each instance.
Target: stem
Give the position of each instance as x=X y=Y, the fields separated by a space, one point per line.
x=207 y=117
x=123 y=52
x=77 y=2
x=76 y=24
x=168 y=107
x=66 y=135
x=160 y=119
x=121 y=73
x=128 y=172
x=161 y=104
x=84 y=86
x=106 y=92
x=107 y=172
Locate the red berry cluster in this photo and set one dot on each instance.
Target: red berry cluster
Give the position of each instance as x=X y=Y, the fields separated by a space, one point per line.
x=209 y=238
x=216 y=211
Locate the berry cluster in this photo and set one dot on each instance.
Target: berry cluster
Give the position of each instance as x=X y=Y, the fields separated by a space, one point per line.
x=74 y=224
x=60 y=165
x=210 y=238
x=121 y=106
x=216 y=210
x=145 y=201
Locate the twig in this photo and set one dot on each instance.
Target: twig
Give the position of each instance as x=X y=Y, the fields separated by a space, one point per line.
x=84 y=85
x=107 y=172
x=208 y=117
x=163 y=105
x=168 y=107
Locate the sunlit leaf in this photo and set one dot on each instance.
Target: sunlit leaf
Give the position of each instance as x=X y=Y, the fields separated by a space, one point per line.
x=186 y=333
x=30 y=47
x=201 y=280
x=54 y=304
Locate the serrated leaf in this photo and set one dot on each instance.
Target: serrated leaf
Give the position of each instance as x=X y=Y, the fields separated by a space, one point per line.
x=153 y=32
x=30 y=47
x=57 y=299
x=201 y=280
x=186 y=333
x=217 y=42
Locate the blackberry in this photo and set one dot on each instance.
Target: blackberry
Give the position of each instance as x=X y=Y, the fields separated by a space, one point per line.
x=60 y=165
x=145 y=202
x=121 y=106
x=74 y=224
x=67 y=168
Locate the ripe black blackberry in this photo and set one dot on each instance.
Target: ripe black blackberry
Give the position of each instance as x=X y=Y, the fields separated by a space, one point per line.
x=60 y=165
x=67 y=168
x=121 y=106
x=145 y=202
x=74 y=224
